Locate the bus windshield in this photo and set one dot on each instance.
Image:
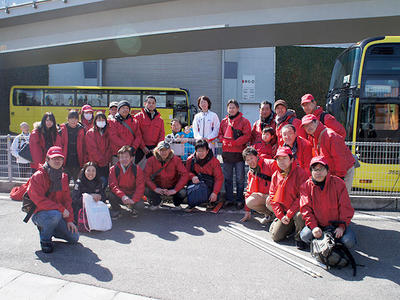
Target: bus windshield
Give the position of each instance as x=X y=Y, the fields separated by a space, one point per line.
x=345 y=71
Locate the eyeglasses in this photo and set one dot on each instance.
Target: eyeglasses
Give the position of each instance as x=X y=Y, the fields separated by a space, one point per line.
x=318 y=169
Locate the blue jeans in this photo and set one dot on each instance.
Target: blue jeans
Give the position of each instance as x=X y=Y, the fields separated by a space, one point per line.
x=228 y=174
x=51 y=223
x=348 y=239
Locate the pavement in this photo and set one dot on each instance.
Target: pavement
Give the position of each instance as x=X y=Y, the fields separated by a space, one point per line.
x=169 y=254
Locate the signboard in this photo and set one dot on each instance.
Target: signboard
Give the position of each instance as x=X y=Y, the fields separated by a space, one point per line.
x=248 y=88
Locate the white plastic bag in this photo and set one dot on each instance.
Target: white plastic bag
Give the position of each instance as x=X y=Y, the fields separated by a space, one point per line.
x=97 y=213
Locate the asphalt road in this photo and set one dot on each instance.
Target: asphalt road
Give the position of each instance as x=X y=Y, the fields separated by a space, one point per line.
x=169 y=254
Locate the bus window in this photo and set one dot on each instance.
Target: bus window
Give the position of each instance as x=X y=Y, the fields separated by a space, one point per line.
x=345 y=69
x=91 y=97
x=379 y=120
x=132 y=97
x=24 y=97
x=181 y=108
x=161 y=98
x=54 y=97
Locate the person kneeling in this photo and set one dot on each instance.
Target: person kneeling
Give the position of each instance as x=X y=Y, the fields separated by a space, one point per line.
x=258 y=183
x=126 y=183
x=165 y=176
x=204 y=167
x=284 y=195
x=49 y=191
x=325 y=202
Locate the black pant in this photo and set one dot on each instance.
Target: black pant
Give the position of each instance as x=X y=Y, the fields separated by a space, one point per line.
x=155 y=199
x=116 y=202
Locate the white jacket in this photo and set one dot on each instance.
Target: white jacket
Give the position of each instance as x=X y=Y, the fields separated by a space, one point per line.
x=16 y=145
x=205 y=125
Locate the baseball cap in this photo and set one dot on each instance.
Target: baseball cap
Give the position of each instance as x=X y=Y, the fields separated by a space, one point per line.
x=280 y=102
x=113 y=103
x=307 y=98
x=307 y=119
x=87 y=107
x=55 y=151
x=163 y=145
x=283 y=151
x=318 y=160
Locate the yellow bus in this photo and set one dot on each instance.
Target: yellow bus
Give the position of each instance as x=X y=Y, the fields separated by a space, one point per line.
x=29 y=103
x=364 y=96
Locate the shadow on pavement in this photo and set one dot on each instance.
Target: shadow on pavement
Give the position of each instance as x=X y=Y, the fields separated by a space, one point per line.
x=75 y=259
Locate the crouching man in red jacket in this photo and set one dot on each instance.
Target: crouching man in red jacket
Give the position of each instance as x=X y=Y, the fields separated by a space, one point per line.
x=49 y=190
x=284 y=197
x=165 y=176
x=325 y=202
x=126 y=183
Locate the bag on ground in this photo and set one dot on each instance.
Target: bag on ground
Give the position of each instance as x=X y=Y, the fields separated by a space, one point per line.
x=97 y=213
x=197 y=194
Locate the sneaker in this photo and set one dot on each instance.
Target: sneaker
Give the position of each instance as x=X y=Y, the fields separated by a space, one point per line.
x=115 y=214
x=133 y=212
x=301 y=245
x=267 y=219
x=47 y=247
x=178 y=207
x=228 y=204
x=154 y=207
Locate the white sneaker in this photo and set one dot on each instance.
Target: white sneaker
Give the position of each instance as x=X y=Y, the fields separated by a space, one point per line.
x=267 y=219
x=154 y=207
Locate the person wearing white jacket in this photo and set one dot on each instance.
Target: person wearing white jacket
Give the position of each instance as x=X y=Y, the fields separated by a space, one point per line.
x=206 y=123
x=24 y=168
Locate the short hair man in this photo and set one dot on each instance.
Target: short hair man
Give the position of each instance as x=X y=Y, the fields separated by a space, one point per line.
x=165 y=176
x=126 y=183
x=331 y=145
x=284 y=195
x=258 y=183
x=234 y=133
x=204 y=166
x=151 y=126
x=267 y=119
x=325 y=202
x=113 y=109
x=286 y=116
x=310 y=106
x=49 y=190
x=301 y=148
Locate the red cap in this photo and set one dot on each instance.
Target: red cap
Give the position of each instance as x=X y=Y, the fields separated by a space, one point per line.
x=55 y=151
x=307 y=119
x=87 y=108
x=318 y=160
x=283 y=151
x=307 y=98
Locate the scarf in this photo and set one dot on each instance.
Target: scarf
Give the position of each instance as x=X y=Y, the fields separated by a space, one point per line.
x=267 y=121
x=289 y=113
x=293 y=148
x=119 y=118
x=232 y=117
x=320 y=184
x=55 y=176
x=202 y=162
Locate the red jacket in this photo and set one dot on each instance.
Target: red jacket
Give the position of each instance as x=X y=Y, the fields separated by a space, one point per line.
x=120 y=135
x=284 y=192
x=260 y=184
x=39 y=185
x=290 y=119
x=98 y=147
x=303 y=153
x=37 y=146
x=127 y=184
x=256 y=131
x=212 y=168
x=62 y=141
x=172 y=176
x=264 y=150
x=319 y=207
x=152 y=130
x=86 y=124
x=329 y=144
x=229 y=144
x=330 y=122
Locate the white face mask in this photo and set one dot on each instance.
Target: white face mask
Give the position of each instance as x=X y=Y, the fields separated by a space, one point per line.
x=101 y=124
x=88 y=116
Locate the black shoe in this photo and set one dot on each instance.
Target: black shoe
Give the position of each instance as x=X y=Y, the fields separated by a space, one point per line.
x=240 y=205
x=47 y=247
x=228 y=204
x=301 y=245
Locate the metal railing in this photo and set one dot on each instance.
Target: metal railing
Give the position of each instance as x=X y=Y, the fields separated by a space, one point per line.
x=6 y=5
x=378 y=175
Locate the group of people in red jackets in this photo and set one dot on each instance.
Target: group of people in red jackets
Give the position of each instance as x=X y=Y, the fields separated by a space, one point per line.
x=128 y=154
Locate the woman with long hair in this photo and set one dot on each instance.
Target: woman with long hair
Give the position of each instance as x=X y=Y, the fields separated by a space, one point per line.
x=42 y=138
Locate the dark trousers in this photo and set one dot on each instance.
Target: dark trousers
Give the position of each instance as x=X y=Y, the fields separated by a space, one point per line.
x=116 y=202
x=155 y=199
